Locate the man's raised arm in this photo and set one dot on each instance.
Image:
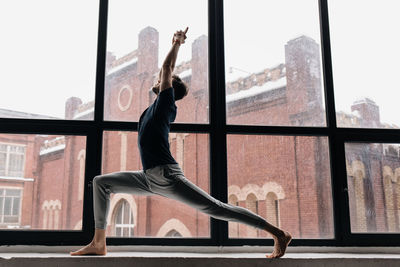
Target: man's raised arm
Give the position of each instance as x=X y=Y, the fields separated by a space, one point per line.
x=169 y=62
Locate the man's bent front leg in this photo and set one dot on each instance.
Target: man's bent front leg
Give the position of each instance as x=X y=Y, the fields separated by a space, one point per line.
x=103 y=186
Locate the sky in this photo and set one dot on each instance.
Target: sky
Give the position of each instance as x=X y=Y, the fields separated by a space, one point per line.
x=47 y=57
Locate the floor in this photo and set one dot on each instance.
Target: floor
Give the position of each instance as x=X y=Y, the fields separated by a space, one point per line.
x=177 y=259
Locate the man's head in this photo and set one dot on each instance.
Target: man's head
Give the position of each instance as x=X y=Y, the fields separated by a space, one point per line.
x=180 y=87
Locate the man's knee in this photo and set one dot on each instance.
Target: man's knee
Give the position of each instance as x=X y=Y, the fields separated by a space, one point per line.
x=98 y=180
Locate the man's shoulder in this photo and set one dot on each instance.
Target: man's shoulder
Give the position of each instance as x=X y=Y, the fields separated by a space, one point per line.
x=167 y=91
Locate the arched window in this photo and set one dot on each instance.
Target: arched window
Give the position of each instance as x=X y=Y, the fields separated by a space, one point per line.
x=173 y=233
x=233 y=226
x=272 y=209
x=51 y=214
x=357 y=198
x=123 y=220
x=389 y=198
x=252 y=204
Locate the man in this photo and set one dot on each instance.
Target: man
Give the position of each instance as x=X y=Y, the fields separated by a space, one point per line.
x=161 y=174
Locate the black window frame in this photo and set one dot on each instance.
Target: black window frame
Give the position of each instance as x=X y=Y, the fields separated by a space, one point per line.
x=218 y=131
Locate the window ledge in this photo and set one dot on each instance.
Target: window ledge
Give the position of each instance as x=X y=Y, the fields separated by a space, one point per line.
x=250 y=250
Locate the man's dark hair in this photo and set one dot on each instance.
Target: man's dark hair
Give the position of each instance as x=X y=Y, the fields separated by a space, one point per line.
x=180 y=88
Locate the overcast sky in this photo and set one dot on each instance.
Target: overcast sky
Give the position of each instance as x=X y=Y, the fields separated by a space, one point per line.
x=45 y=60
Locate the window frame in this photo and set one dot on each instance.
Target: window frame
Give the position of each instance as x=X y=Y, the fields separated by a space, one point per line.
x=4 y=195
x=8 y=153
x=218 y=130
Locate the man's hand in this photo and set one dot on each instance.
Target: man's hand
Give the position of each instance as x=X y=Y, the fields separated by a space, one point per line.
x=180 y=36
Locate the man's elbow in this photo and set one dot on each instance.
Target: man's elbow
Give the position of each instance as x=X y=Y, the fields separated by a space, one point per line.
x=167 y=67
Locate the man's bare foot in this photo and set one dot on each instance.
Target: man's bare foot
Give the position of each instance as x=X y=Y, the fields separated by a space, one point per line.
x=90 y=249
x=280 y=245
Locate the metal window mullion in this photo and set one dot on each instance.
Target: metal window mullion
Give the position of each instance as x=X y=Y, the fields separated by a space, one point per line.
x=336 y=145
x=218 y=158
x=94 y=140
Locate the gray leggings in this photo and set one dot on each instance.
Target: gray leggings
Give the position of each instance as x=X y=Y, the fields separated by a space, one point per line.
x=168 y=181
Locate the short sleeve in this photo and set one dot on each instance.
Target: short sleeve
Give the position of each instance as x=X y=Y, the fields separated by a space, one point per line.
x=165 y=106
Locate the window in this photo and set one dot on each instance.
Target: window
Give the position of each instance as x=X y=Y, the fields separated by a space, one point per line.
x=173 y=233
x=274 y=120
x=365 y=64
x=124 y=223
x=272 y=208
x=373 y=176
x=233 y=226
x=274 y=77
x=48 y=62
x=134 y=60
x=12 y=160
x=10 y=207
x=285 y=179
x=48 y=171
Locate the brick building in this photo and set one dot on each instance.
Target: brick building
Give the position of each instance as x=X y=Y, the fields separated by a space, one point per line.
x=283 y=178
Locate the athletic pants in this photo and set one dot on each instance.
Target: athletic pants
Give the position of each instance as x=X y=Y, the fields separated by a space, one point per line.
x=168 y=181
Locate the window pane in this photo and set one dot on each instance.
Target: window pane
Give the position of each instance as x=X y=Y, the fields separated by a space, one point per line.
x=3 y=160
x=273 y=63
x=48 y=60
x=155 y=216
x=118 y=219
x=118 y=232
x=7 y=206
x=11 y=219
x=1 y=207
x=51 y=185
x=365 y=56
x=373 y=180
x=16 y=207
x=285 y=179
x=13 y=192
x=136 y=47
x=16 y=165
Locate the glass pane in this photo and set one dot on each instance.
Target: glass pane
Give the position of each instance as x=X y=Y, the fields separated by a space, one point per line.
x=285 y=179
x=16 y=165
x=16 y=206
x=373 y=180
x=274 y=76
x=127 y=212
x=155 y=216
x=1 y=207
x=136 y=48
x=10 y=219
x=365 y=56
x=125 y=232
x=118 y=217
x=13 y=192
x=48 y=60
x=118 y=232
x=52 y=164
x=7 y=206
x=3 y=159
